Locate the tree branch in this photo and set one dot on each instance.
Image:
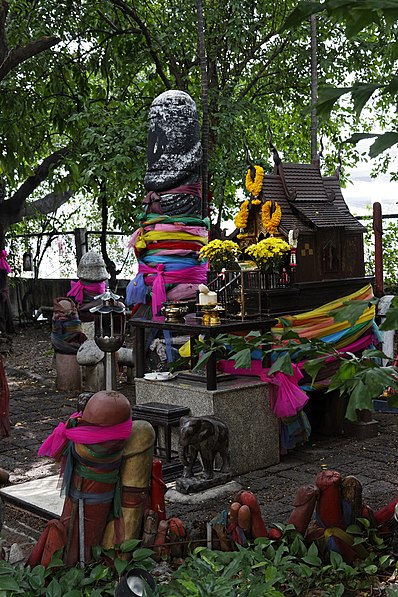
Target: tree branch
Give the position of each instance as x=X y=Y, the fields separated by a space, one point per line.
x=46 y=205
x=19 y=55
x=15 y=203
x=264 y=67
x=127 y=10
x=3 y=38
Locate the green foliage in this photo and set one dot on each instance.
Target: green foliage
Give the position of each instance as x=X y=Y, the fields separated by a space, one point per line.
x=377 y=19
x=99 y=578
x=92 y=91
x=289 y=566
x=275 y=568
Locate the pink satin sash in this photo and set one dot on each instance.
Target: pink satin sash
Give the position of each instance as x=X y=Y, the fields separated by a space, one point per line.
x=86 y=434
x=290 y=399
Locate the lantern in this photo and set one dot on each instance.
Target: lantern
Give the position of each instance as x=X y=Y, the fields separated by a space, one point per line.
x=109 y=327
x=109 y=323
x=27 y=262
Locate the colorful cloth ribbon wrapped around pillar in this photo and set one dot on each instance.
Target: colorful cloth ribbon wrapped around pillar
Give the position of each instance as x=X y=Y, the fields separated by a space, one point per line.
x=91 y=455
x=168 y=256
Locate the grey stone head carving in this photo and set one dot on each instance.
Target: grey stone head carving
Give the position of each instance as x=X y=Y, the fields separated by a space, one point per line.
x=174 y=149
x=92 y=268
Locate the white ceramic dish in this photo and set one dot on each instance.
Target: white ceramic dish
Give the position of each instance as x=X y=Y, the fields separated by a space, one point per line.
x=151 y=376
x=164 y=375
x=159 y=376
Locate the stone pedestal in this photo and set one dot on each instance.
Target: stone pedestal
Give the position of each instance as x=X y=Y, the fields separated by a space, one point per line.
x=242 y=403
x=366 y=426
x=94 y=377
x=68 y=372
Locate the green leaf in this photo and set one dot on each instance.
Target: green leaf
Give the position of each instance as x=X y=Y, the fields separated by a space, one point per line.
x=190 y=586
x=142 y=554
x=356 y=137
x=312 y=560
x=129 y=545
x=242 y=359
x=353 y=529
x=382 y=143
x=8 y=583
x=351 y=311
x=335 y=559
x=392 y=400
x=54 y=589
x=120 y=565
x=203 y=360
x=361 y=93
x=99 y=572
x=313 y=366
x=97 y=551
x=359 y=400
x=313 y=550
x=371 y=569
x=300 y=14
x=391 y=320
x=328 y=96
x=283 y=364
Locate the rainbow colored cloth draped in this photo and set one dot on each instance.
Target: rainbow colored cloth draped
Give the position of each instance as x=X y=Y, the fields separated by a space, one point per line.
x=320 y=323
x=172 y=263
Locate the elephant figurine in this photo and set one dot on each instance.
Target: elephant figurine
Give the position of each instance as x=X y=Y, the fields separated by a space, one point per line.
x=207 y=436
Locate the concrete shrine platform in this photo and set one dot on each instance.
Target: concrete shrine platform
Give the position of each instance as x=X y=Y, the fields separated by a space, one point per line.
x=39 y=496
x=243 y=403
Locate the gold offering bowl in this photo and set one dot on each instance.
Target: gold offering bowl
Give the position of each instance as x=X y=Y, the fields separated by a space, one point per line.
x=174 y=312
x=211 y=314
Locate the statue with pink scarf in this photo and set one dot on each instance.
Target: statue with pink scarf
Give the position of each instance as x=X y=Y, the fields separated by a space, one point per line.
x=106 y=487
x=92 y=277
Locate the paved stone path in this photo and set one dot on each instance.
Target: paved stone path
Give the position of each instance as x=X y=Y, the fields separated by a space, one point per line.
x=36 y=408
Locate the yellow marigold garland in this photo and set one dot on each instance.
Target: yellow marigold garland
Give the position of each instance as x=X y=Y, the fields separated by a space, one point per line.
x=271 y=223
x=255 y=186
x=241 y=218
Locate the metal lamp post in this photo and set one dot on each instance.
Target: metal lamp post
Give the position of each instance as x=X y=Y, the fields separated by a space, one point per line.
x=110 y=323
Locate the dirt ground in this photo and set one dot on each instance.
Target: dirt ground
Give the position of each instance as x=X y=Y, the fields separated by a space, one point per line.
x=36 y=407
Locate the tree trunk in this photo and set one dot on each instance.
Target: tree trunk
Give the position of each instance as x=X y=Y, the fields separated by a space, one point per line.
x=205 y=106
x=110 y=265
x=6 y=322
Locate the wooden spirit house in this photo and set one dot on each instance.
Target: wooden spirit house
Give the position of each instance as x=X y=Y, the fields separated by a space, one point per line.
x=329 y=257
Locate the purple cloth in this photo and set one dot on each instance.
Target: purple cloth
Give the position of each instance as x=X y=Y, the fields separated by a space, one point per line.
x=182 y=291
x=3 y=261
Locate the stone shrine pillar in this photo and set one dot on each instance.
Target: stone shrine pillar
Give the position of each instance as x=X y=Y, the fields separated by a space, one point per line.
x=172 y=230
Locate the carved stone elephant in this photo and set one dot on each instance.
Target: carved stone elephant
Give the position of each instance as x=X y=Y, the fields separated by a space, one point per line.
x=207 y=436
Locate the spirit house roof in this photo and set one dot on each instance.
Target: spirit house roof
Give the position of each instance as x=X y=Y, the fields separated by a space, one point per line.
x=308 y=200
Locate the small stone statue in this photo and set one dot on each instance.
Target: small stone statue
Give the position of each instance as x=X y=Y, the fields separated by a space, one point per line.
x=206 y=436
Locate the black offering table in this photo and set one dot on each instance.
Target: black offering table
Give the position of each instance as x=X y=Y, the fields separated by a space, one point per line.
x=193 y=327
